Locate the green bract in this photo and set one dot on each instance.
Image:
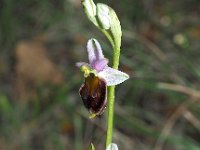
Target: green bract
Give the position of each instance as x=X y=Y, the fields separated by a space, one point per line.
x=103 y=15
x=115 y=28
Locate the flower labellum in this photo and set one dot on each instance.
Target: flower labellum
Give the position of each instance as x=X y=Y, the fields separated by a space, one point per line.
x=93 y=94
x=97 y=77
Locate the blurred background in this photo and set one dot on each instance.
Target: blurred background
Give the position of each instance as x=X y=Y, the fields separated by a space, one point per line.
x=158 y=108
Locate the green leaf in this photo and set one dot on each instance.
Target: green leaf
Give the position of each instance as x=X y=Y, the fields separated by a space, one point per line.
x=92 y=147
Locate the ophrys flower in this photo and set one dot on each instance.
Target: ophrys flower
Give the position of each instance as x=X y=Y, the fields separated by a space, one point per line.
x=97 y=77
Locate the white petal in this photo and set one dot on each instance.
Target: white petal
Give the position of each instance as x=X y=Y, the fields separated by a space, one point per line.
x=113 y=76
x=94 y=51
x=112 y=146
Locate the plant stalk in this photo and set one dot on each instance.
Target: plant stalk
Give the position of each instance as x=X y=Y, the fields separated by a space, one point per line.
x=111 y=99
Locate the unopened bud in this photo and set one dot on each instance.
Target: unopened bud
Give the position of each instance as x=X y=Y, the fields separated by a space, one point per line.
x=90 y=10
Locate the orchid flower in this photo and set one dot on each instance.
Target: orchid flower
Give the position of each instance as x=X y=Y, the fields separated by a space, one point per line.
x=98 y=75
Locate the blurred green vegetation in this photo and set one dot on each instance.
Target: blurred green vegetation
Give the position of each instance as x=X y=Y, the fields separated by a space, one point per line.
x=156 y=109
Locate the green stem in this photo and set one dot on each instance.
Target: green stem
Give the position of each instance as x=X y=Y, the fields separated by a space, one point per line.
x=111 y=99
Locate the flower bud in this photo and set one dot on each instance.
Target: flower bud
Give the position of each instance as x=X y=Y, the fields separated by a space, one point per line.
x=112 y=146
x=90 y=10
